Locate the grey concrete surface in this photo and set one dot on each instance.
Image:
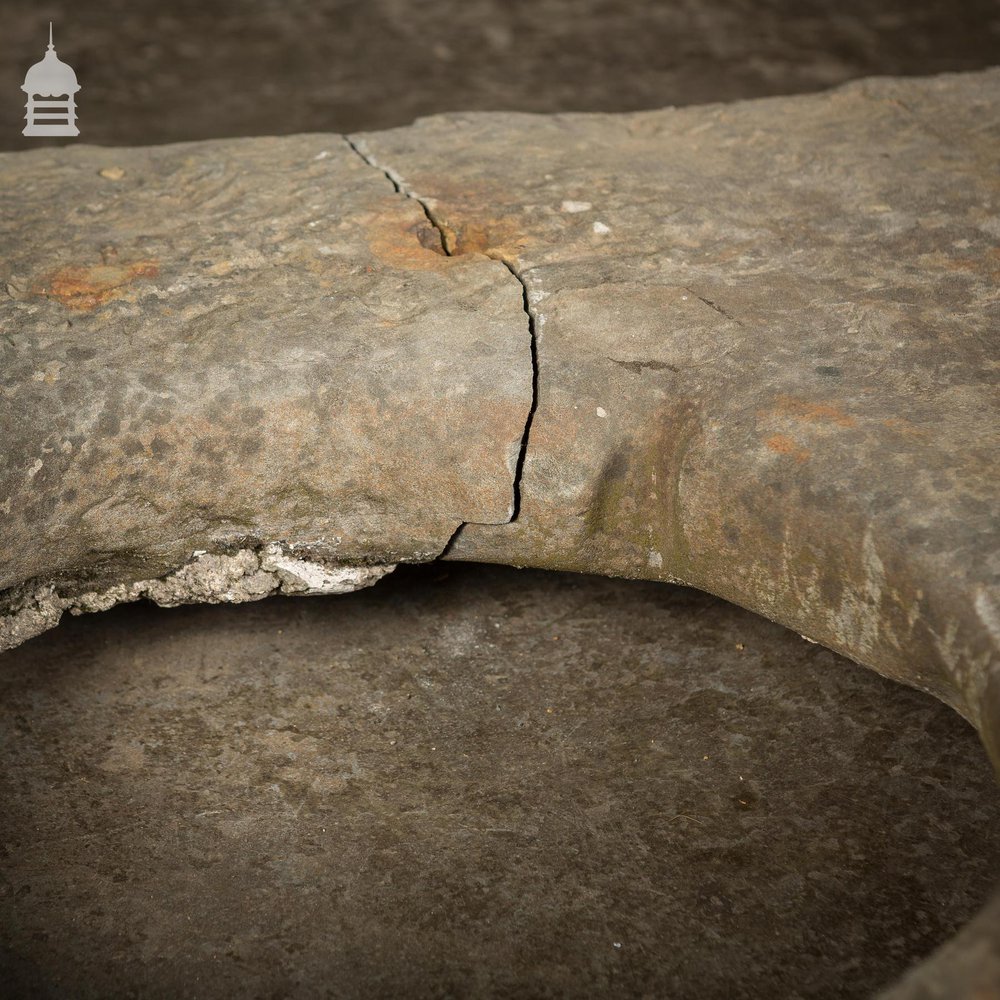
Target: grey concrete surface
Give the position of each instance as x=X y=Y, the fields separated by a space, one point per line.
x=474 y=781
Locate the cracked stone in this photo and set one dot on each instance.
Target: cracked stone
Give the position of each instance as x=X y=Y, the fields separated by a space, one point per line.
x=759 y=334
x=236 y=343
x=764 y=333
x=759 y=358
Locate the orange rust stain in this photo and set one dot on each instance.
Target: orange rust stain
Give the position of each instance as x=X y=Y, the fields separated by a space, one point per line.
x=417 y=246
x=458 y=205
x=413 y=247
x=484 y=235
x=85 y=288
x=815 y=413
x=782 y=444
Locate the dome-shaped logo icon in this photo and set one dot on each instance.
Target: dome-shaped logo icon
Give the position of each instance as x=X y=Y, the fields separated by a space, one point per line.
x=51 y=88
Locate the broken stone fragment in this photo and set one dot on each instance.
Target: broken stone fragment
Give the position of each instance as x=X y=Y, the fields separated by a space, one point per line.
x=246 y=575
x=235 y=343
x=766 y=336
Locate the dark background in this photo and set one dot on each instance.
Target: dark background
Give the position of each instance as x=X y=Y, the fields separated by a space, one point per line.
x=156 y=72
x=475 y=781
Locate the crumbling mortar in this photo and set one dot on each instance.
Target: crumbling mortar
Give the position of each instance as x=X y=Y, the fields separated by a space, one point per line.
x=248 y=574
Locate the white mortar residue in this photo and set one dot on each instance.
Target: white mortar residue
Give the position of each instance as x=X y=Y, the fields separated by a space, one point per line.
x=246 y=575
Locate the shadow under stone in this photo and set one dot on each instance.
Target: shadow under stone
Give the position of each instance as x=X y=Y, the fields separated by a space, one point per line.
x=475 y=780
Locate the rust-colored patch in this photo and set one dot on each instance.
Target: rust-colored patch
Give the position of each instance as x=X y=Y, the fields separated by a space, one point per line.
x=484 y=235
x=457 y=202
x=782 y=444
x=85 y=288
x=414 y=246
x=418 y=245
x=814 y=413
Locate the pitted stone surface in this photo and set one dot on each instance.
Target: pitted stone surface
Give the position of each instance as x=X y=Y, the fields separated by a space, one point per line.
x=763 y=334
x=215 y=346
x=767 y=342
x=766 y=338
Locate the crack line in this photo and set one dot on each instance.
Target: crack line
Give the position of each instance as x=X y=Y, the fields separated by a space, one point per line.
x=450 y=544
x=637 y=366
x=400 y=188
x=714 y=305
x=533 y=344
x=448 y=249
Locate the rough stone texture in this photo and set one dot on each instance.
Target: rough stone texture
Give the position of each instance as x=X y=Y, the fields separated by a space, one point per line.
x=765 y=340
x=246 y=575
x=219 y=346
x=967 y=966
x=473 y=781
x=767 y=353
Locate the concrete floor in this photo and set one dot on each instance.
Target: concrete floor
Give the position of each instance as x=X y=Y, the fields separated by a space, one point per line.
x=471 y=781
x=475 y=781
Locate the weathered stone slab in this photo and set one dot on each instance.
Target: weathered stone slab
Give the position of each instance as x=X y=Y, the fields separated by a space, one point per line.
x=219 y=346
x=767 y=342
x=763 y=332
